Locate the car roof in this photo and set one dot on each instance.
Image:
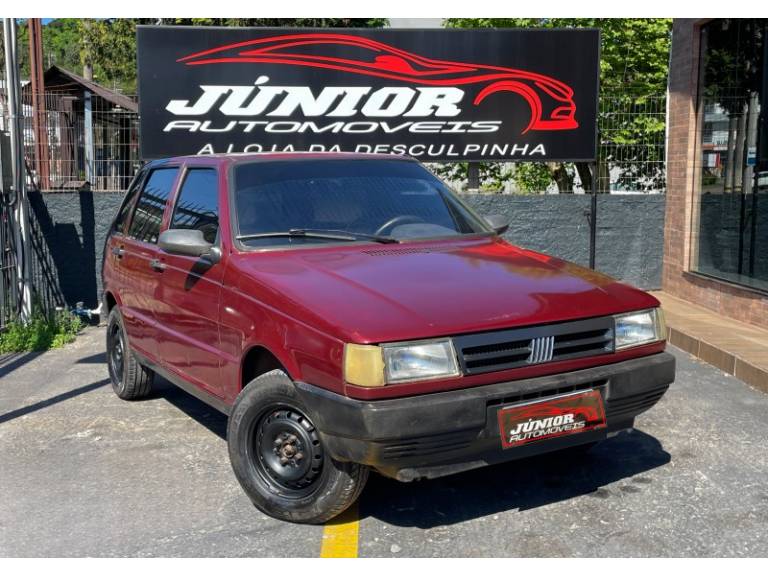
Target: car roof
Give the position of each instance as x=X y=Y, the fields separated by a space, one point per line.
x=238 y=158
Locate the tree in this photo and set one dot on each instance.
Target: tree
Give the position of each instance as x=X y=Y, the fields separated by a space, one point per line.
x=61 y=45
x=113 y=40
x=633 y=67
x=107 y=46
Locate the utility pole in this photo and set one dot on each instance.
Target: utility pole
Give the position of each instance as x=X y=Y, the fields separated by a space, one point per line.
x=39 y=124
x=19 y=190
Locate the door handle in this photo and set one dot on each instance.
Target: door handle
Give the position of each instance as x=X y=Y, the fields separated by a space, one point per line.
x=156 y=265
x=118 y=251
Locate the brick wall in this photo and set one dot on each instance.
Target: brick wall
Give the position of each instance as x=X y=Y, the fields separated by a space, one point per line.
x=721 y=297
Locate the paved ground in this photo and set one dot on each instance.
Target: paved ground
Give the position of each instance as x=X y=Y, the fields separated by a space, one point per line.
x=85 y=474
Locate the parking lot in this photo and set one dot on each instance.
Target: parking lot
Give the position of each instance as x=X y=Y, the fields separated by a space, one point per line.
x=83 y=473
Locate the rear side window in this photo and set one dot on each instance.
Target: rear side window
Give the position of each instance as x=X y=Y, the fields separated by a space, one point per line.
x=127 y=204
x=145 y=225
x=198 y=205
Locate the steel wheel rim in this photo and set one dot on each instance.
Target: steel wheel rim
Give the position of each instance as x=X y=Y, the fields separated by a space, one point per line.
x=286 y=452
x=116 y=354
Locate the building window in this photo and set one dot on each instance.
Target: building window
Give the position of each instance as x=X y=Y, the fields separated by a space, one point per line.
x=731 y=227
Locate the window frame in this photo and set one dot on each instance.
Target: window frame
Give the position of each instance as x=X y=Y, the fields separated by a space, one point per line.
x=178 y=188
x=133 y=192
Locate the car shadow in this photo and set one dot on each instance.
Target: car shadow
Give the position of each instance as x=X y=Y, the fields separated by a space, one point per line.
x=100 y=358
x=206 y=415
x=522 y=484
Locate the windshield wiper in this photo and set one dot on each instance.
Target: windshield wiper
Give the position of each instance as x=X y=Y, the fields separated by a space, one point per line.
x=321 y=233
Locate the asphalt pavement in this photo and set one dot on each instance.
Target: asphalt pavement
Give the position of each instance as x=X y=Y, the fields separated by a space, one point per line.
x=83 y=473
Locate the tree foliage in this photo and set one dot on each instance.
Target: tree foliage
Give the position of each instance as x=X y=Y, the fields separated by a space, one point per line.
x=108 y=45
x=633 y=67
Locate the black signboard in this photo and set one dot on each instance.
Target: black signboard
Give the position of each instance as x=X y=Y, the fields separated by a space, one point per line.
x=522 y=95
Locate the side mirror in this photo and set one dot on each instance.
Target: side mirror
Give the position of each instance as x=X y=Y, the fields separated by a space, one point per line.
x=188 y=243
x=498 y=223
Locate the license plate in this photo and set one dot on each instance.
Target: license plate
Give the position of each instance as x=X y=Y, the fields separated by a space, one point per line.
x=551 y=418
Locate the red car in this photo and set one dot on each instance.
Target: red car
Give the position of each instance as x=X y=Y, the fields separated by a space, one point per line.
x=550 y=100
x=349 y=312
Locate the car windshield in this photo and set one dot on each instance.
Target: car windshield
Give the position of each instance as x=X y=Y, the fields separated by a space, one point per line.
x=300 y=202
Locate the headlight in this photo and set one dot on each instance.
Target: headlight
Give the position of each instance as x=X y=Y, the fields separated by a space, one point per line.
x=638 y=328
x=400 y=362
x=419 y=360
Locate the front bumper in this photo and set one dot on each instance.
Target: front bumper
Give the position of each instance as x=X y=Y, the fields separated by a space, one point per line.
x=432 y=435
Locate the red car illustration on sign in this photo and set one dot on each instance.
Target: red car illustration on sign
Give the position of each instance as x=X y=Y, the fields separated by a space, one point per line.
x=551 y=101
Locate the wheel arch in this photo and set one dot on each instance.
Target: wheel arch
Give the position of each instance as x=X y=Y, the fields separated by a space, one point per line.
x=110 y=301
x=258 y=360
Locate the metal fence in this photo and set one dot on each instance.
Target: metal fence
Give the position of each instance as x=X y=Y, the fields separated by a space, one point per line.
x=9 y=298
x=631 y=136
x=78 y=146
x=46 y=294
x=77 y=143
x=104 y=151
x=9 y=295
x=630 y=157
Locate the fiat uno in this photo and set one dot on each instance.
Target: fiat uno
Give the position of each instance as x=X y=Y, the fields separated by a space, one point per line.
x=349 y=312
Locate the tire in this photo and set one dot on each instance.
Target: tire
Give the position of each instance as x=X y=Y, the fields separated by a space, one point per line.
x=279 y=459
x=130 y=380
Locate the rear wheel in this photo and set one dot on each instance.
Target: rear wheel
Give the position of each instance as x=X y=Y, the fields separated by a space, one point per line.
x=279 y=459
x=130 y=380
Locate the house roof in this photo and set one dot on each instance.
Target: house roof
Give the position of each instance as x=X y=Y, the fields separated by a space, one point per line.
x=58 y=78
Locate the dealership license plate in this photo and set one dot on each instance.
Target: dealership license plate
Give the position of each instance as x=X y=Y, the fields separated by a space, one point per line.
x=575 y=413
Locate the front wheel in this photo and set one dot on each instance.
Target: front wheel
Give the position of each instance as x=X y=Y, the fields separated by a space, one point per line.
x=279 y=459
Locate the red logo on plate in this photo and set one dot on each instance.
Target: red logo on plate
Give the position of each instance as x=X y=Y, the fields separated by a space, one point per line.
x=551 y=418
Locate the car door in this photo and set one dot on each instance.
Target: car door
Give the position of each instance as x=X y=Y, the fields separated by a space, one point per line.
x=190 y=289
x=139 y=266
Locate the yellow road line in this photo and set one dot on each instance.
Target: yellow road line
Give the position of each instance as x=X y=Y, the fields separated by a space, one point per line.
x=340 y=535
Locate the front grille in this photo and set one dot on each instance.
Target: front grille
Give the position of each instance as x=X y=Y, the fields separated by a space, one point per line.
x=505 y=349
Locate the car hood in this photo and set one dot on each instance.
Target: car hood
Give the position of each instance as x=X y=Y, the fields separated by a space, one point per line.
x=384 y=293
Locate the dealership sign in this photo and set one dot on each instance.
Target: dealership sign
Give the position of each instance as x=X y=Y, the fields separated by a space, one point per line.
x=437 y=95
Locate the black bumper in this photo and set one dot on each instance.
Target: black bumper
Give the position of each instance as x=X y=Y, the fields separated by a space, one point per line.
x=437 y=434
